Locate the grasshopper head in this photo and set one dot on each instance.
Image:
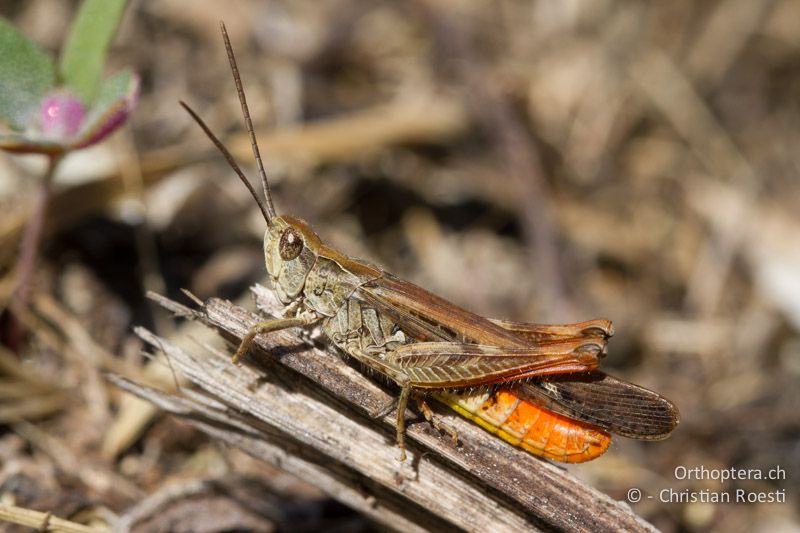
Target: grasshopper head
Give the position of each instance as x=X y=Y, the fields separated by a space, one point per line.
x=290 y=250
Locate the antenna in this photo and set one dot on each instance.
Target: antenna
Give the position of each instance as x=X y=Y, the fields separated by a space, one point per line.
x=248 y=123
x=231 y=161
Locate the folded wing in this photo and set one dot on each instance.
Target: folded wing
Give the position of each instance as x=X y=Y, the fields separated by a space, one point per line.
x=605 y=401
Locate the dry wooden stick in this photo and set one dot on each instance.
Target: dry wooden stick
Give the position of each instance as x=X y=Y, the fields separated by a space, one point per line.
x=310 y=416
x=43 y=521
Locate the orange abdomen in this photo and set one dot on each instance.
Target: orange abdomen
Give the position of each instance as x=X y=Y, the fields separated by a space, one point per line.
x=529 y=426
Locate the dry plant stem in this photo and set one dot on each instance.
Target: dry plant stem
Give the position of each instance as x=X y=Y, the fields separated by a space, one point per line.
x=315 y=408
x=521 y=164
x=152 y=504
x=99 y=476
x=23 y=394
x=60 y=330
x=12 y=368
x=36 y=407
x=249 y=436
x=673 y=94
x=57 y=328
x=42 y=521
x=87 y=354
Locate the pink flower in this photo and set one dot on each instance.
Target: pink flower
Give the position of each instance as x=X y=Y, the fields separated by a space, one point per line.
x=61 y=115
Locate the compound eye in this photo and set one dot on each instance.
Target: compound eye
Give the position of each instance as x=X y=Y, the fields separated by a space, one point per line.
x=290 y=245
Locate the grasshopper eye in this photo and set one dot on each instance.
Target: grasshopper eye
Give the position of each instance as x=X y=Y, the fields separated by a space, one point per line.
x=290 y=245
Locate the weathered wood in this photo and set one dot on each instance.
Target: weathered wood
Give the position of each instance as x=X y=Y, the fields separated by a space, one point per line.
x=309 y=414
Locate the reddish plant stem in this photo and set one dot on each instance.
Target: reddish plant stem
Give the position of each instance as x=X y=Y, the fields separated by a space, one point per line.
x=31 y=238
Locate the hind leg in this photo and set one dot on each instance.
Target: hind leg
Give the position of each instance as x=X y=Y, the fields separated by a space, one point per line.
x=433 y=420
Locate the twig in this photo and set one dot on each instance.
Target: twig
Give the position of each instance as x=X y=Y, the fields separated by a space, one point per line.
x=36 y=519
x=312 y=419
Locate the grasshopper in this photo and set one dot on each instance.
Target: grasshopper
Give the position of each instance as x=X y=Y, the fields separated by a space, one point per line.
x=536 y=386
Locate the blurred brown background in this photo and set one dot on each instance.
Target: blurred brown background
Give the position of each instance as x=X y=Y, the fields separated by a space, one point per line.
x=539 y=161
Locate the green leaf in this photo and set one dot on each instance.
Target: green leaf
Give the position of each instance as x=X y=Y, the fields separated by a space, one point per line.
x=26 y=75
x=115 y=102
x=84 y=52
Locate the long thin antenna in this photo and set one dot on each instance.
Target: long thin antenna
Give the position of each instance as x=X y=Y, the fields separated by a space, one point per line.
x=231 y=161
x=248 y=123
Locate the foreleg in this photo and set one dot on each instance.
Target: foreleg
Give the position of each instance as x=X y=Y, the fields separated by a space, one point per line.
x=266 y=326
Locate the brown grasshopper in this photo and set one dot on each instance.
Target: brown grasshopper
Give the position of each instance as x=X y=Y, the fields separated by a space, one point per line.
x=426 y=344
